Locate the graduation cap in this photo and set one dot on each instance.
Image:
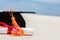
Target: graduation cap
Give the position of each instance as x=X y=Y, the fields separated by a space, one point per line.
x=5 y=17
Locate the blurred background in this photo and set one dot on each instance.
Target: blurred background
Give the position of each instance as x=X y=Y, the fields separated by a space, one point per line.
x=41 y=7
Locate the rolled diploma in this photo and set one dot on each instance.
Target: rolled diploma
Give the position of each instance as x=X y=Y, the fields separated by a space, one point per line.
x=27 y=31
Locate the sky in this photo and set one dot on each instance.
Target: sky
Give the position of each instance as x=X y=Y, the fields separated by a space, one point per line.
x=43 y=7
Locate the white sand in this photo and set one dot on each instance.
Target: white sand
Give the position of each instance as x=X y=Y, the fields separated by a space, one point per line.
x=45 y=28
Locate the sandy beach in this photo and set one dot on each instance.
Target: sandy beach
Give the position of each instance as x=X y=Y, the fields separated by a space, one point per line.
x=45 y=28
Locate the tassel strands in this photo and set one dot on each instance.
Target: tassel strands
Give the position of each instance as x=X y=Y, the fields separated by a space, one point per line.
x=14 y=23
